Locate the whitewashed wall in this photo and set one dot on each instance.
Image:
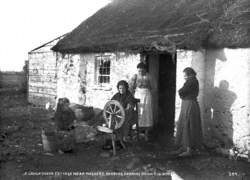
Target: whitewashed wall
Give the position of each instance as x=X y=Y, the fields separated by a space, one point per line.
x=42 y=78
x=123 y=67
x=213 y=66
x=69 y=78
x=42 y=74
x=76 y=77
x=233 y=66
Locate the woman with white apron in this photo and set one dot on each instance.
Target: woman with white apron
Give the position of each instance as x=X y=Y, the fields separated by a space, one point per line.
x=140 y=86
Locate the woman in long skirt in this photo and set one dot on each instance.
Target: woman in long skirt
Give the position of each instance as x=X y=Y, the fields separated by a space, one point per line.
x=189 y=132
x=140 y=86
x=126 y=99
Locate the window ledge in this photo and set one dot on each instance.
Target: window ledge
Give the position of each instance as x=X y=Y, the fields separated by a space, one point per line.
x=104 y=88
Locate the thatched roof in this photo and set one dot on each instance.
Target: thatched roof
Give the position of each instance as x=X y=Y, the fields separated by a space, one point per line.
x=143 y=24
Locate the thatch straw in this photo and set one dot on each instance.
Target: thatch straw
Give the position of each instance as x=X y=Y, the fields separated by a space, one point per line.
x=137 y=24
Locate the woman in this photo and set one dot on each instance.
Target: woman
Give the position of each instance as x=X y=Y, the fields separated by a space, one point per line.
x=140 y=86
x=64 y=118
x=127 y=101
x=189 y=133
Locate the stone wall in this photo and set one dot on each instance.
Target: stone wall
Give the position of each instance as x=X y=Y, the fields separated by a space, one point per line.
x=224 y=77
x=123 y=67
x=225 y=112
x=69 y=79
x=229 y=98
x=77 y=77
x=42 y=74
x=42 y=78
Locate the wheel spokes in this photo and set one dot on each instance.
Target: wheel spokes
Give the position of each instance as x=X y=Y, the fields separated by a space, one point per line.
x=114 y=114
x=115 y=109
x=108 y=112
x=119 y=116
x=110 y=108
x=118 y=111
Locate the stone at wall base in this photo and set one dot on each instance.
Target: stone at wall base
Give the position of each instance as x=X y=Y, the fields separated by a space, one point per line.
x=82 y=113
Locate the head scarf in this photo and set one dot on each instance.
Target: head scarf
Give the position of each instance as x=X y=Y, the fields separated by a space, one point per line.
x=123 y=83
x=190 y=72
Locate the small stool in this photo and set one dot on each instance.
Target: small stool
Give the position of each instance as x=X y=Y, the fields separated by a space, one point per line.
x=113 y=135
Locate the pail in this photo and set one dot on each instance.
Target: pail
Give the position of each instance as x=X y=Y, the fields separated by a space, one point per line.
x=49 y=141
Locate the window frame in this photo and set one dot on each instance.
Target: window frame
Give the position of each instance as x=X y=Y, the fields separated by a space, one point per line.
x=97 y=71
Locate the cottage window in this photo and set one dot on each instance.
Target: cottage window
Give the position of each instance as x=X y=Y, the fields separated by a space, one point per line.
x=102 y=70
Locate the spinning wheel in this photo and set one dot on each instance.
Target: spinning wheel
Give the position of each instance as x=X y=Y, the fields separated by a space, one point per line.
x=114 y=114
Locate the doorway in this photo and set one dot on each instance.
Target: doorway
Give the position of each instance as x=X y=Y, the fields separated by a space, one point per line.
x=166 y=93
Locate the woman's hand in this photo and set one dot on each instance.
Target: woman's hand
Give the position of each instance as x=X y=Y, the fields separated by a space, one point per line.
x=129 y=106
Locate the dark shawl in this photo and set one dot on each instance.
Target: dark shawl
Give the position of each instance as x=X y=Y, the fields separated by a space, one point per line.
x=124 y=99
x=190 y=89
x=64 y=118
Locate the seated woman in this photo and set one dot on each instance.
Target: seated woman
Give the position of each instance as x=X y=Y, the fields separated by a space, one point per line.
x=128 y=102
x=64 y=118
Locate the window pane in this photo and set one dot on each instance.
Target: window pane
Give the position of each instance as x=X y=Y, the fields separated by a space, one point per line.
x=104 y=79
x=103 y=67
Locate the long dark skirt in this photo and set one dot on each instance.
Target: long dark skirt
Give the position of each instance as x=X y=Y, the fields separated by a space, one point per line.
x=129 y=121
x=189 y=132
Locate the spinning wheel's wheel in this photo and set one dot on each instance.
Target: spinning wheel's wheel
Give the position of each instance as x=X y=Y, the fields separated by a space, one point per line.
x=114 y=114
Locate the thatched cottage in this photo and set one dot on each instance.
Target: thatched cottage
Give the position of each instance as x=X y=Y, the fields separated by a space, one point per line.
x=212 y=36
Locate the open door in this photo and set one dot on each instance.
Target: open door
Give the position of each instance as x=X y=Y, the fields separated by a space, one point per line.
x=166 y=93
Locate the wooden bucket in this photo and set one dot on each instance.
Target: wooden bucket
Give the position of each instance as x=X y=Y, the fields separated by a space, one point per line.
x=49 y=141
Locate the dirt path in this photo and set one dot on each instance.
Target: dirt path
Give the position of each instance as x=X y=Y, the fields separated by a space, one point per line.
x=22 y=156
